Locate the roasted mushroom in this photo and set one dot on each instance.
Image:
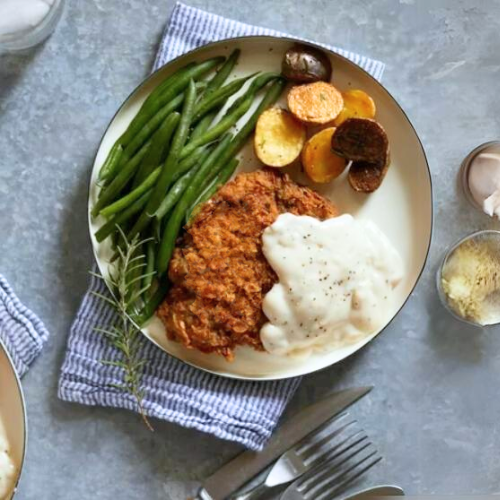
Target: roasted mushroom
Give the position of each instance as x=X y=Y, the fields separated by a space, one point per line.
x=304 y=64
x=361 y=139
x=366 y=177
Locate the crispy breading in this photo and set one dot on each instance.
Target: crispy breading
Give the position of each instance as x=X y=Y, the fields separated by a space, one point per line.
x=218 y=272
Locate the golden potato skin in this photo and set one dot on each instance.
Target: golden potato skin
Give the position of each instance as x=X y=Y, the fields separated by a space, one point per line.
x=320 y=163
x=315 y=103
x=279 y=138
x=357 y=104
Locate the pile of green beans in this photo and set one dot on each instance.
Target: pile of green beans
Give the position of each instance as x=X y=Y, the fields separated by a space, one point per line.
x=173 y=157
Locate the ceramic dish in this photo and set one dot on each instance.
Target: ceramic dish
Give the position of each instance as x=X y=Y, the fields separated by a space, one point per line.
x=12 y=410
x=402 y=207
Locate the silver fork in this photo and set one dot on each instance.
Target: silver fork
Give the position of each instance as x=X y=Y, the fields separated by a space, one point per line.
x=327 y=481
x=307 y=454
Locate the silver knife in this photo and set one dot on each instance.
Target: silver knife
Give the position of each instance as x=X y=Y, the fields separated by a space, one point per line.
x=249 y=463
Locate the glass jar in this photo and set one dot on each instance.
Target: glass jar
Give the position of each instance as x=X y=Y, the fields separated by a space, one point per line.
x=487 y=147
x=26 y=23
x=478 y=267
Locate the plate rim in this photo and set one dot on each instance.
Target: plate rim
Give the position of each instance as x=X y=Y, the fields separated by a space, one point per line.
x=318 y=46
x=20 y=392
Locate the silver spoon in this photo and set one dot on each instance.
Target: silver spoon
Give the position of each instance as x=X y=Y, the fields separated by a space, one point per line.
x=385 y=490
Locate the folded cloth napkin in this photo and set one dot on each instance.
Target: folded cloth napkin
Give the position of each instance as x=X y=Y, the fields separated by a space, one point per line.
x=22 y=333
x=241 y=411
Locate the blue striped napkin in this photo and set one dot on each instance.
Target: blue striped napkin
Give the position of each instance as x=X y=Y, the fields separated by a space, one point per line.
x=21 y=332
x=245 y=412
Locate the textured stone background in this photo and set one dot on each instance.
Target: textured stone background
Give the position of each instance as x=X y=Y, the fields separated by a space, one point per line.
x=435 y=407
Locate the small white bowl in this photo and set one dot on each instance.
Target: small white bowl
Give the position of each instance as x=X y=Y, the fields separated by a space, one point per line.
x=487 y=147
x=13 y=411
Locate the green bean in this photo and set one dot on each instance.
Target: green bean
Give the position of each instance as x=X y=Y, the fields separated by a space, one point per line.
x=218 y=98
x=115 y=237
x=167 y=91
x=226 y=173
x=151 y=304
x=257 y=84
x=175 y=192
x=219 y=128
x=159 y=143
x=168 y=168
x=150 y=264
x=202 y=126
x=197 y=156
x=128 y=199
x=223 y=73
x=147 y=111
x=270 y=97
x=109 y=193
x=203 y=176
x=190 y=161
x=163 y=86
x=240 y=138
x=109 y=166
x=222 y=177
x=122 y=217
x=152 y=125
x=149 y=128
x=152 y=96
x=156 y=229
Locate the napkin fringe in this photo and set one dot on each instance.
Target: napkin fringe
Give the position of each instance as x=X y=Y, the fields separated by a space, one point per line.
x=22 y=332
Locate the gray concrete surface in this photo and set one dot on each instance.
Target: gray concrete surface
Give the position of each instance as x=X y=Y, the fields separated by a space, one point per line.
x=435 y=409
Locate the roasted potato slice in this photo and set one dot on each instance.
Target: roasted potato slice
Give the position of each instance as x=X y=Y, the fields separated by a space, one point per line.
x=357 y=104
x=279 y=137
x=316 y=103
x=366 y=177
x=361 y=139
x=319 y=162
x=304 y=64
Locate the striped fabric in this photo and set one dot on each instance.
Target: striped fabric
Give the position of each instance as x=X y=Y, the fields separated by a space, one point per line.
x=21 y=332
x=190 y=28
x=245 y=412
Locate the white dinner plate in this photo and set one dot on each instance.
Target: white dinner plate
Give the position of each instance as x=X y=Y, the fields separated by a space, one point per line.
x=12 y=410
x=401 y=207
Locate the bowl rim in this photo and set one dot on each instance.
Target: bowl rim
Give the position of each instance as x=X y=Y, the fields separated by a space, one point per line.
x=464 y=172
x=19 y=41
x=25 y=414
x=346 y=60
x=447 y=254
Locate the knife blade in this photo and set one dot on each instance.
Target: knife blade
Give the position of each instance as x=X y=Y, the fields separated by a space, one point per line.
x=249 y=463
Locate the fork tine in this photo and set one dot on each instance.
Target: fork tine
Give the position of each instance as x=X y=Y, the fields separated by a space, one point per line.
x=341 y=479
x=335 y=452
x=333 y=493
x=309 y=451
x=305 y=443
x=310 y=482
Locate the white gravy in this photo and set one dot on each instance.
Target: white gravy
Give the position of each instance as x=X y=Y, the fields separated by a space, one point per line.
x=8 y=470
x=336 y=282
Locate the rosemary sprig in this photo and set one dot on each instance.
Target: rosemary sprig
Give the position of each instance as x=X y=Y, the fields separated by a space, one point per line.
x=125 y=280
